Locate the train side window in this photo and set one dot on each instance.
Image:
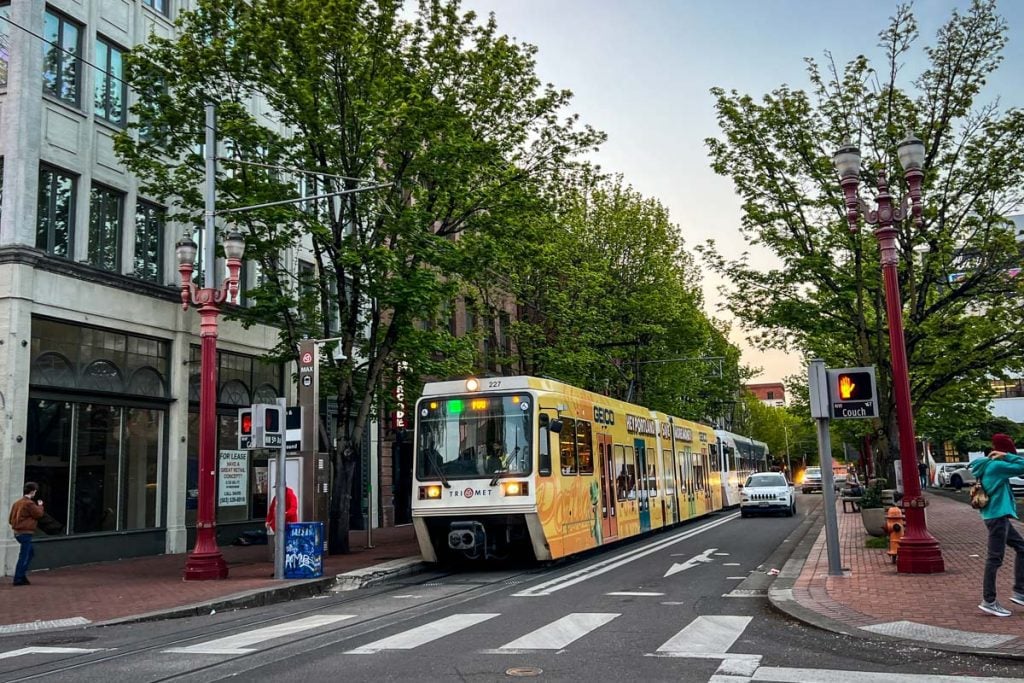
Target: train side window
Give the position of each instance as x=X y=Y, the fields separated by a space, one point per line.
x=621 y=480
x=629 y=471
x=585 y=447
x=567 y=447
x=670 y=468
x=544 y=446
x=652 y=477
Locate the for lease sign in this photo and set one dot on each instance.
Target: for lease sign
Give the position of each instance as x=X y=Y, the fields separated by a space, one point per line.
x=233 y=478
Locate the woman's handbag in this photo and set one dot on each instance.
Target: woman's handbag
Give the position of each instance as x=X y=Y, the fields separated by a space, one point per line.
x=979 y=497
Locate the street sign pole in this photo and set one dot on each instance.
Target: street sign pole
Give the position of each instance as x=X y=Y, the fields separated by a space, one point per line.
x=817 y=382
x=282 y=502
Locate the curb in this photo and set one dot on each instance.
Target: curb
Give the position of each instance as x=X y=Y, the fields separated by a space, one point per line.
x=294 y=590
x=780 y=597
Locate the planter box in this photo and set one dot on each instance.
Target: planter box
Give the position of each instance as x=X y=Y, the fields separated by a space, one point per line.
x=874 y=520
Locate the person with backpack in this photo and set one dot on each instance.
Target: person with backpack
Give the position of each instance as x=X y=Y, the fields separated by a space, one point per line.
x=993 y=474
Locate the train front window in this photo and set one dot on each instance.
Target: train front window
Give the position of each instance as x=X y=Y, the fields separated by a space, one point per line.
x=474 y=436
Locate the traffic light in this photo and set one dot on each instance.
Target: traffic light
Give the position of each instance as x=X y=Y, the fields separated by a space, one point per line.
x=854 y=386
x=244 y=428
x=267 y=426
x=852 y=393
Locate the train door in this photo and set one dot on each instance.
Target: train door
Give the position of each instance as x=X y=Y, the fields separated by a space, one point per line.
x=671 y=490
x=643 y=492
x=609 y=524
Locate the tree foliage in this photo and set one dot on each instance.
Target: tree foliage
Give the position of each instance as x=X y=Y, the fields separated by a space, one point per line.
x=962 y=310
x=438 y=104
x=610 y=300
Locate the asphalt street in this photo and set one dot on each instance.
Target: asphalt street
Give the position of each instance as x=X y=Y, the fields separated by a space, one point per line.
x=684 y=605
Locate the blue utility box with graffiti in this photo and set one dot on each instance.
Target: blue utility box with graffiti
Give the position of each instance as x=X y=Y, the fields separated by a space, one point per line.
x=304 y=550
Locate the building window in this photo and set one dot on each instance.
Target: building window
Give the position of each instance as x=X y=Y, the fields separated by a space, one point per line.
x=111 y=93
x=771 y=395
x=149 y=238
x=62 y=52
x=161 y=6
x=5 y=43
x=105 y=211
x=55 y=223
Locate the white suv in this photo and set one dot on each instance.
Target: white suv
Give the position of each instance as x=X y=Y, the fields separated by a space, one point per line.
x=767 y=492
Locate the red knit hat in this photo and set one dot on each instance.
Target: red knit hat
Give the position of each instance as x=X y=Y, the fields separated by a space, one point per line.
x=1002 y=442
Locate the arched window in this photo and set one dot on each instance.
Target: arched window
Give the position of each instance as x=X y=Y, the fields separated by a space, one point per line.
x=147 y=381
x=52 y=369
x=102 y=375
x=234 y=393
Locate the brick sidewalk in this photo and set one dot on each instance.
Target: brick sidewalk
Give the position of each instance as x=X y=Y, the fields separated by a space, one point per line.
x=126 y=588
x=873 y=593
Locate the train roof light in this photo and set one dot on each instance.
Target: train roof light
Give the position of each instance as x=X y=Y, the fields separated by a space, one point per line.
x=472 y=384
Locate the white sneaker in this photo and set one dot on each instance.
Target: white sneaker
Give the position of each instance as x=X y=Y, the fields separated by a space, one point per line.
x=995 y=608
x=1017 y=598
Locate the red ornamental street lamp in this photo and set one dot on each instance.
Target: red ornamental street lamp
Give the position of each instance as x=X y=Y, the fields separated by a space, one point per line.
x=919 y=551
x=205 y=560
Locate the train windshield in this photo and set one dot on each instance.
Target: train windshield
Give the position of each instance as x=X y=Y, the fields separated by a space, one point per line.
x=474 y=436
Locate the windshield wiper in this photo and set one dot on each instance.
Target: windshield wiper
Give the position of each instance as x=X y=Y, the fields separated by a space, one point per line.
x=498 y=475
x=440 y=472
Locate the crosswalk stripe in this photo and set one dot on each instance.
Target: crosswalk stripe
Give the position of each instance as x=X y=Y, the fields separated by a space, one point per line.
x=423 y=634
x=236 y=644
x=560 y=633
x=706 y=635
x=781 y=674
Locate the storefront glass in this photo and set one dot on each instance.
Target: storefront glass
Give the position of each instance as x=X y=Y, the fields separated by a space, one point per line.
x=95 y=432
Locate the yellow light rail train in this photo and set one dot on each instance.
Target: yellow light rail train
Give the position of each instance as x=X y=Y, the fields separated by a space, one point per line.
x=526 y=467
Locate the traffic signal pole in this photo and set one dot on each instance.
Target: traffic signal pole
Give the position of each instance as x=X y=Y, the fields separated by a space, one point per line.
x=817 y=382
x=281 y=492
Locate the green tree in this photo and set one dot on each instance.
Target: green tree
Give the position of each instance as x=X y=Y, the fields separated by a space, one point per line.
x=437 y=104
x=825 y=298
x=607 y=292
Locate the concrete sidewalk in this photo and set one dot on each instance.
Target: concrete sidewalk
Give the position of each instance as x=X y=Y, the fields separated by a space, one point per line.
x=872 y=600
x=152 y=587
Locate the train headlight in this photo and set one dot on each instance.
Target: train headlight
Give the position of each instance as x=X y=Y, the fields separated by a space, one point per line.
x=472 y=384
x=430 y=492
x=515 y=488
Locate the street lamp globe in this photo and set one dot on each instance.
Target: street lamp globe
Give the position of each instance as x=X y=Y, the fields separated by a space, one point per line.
x=847 y=160
x=185 y=250
x=234 y=245
x=911 y=153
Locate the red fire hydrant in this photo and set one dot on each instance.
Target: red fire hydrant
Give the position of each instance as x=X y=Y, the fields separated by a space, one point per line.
x=894 y=525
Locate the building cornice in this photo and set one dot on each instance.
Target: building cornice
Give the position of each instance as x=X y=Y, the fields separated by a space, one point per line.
x=20 y=255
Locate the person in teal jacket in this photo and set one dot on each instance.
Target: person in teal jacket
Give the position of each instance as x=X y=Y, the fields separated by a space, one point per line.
x=994 y=474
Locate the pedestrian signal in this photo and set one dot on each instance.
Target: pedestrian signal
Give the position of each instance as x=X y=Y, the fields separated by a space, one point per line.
x=852 y=393
x=244 y=428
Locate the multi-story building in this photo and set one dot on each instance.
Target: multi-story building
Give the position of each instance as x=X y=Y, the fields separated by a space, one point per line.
x=769 y=393
x=99 y=364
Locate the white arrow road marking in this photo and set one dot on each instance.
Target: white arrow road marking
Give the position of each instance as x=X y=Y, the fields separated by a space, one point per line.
x=50 y=651
x=415 y=637
x=707 y=637
x=560 y=633
x=236 y=644
x=590 y=571
x=703 y=558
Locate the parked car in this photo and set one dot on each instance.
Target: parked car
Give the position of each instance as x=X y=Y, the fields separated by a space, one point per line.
x=947 y=468
x=812 y=480
x=963 y=476
x=767 y=492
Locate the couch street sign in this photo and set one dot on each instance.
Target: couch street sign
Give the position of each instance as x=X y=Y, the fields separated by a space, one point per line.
x=852 y=393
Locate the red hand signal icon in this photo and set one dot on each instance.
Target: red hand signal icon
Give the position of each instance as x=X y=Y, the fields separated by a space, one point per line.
x=846 y=387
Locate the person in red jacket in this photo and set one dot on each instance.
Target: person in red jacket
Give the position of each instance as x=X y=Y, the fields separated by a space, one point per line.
x=291 y=510
x=291 y=514
x=24 y=518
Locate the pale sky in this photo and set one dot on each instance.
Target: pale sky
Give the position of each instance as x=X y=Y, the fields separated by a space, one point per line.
x=641 y=71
